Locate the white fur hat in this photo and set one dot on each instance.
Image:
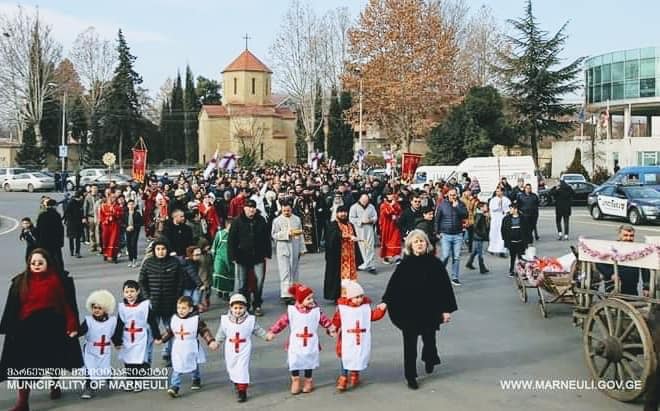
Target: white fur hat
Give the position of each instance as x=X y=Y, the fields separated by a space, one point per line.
x=353 y=289
x=237 y=298
x=104 y=298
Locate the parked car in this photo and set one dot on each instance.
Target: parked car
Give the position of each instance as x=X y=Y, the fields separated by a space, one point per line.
x=104 y=181
x=87 y=175
x=636 y=203
x=643 y=175
x=9 y=172
x=376 y=172
x=29 y=182
x=572 y=178
x=581 y=189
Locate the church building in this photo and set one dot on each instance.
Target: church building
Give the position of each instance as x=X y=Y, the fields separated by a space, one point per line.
x=249 y=119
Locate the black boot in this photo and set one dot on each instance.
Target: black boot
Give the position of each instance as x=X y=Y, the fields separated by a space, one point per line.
x=482 y=266
x=469 y=263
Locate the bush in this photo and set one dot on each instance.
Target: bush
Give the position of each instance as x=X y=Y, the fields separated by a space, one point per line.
x=576 y=166
x=600 y=176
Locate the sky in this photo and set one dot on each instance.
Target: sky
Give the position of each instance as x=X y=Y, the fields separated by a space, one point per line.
x=165 y=35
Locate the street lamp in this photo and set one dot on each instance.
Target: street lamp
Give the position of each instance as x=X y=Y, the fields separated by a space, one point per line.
x=64 y=154
x=358 y=71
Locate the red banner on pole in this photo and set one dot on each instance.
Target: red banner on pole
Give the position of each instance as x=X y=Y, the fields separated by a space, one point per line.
x=409 y=165
x=139 y=164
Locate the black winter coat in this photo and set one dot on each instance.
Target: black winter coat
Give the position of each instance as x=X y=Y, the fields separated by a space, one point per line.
x=418 y=293
x=73 y=215
x=528 y=204
x=332 y=278
x=407 y=220
x=563 y=195
x=179 y=237
x=49 y=230
x=507 y=232
x=13 y=353
x=161 y=281
x=138 y=221
x=249 y=241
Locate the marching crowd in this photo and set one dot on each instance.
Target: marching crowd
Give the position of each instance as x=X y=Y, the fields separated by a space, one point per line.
x=216 y=234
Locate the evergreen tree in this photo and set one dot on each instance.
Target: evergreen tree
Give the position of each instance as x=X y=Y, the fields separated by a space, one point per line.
x=158 y=151
x=51 y=125
x=347 y=136
x=301 y=144
x=319 y=137
x=29 y=154
x=191 y=106
x=121 y=114
x=208 y=91
x=535 y=88
x=177 y=149
x=335 y=126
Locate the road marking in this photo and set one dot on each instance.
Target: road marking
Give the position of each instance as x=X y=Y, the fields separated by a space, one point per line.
x=16 y=224
x=607 y=223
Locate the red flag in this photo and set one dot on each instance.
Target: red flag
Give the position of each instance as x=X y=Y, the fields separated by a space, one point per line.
x=139 y=164
x=410 y=163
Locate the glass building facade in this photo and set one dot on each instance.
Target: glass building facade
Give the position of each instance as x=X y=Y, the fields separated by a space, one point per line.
x=623 y=75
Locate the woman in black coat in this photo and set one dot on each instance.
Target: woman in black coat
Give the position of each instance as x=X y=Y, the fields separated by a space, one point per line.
x=73 y=216
x=563 y=196
x=40 y=323
x=419 y=297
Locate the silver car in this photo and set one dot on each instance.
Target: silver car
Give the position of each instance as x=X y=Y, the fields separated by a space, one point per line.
x=29 y=182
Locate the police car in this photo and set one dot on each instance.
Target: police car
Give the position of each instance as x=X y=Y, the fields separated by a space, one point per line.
x=634 y=202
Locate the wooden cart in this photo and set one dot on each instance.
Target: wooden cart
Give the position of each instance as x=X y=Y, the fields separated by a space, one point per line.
x=552 y=287
x=618 y=345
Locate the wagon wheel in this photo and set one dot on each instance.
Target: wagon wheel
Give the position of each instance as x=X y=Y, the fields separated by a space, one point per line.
x=542 y=306
x=522 y=290
x=618 y=347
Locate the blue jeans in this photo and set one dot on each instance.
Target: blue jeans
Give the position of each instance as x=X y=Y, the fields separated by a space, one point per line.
x=175 y=381
x=195 y=294
x=240 y=284
x=452 y=242
x=477 y=249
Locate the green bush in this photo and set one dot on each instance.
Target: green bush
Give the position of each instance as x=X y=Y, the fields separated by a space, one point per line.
x=600 y=176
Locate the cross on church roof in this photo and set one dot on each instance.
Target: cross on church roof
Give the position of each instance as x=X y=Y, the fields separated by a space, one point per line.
x=246 y=38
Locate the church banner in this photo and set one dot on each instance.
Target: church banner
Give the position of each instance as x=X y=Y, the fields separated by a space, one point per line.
x=139 y=164
x=409 y=165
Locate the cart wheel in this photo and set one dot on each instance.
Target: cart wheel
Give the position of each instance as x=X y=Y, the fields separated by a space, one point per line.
x=618 y=348
x=542 y=307
x=522 y=290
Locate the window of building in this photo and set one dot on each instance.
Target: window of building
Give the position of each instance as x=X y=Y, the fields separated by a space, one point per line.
x=617 y=72
x=632 y=70
x=648 y=158
x=647 y=87
x=590 y=77
x=617 y=91
x=632 y=89
x=235 y=86
x=597 y=93
x=647 y=68
x=597 y=75
x=606 y=92
x=266 y=88
x=254 y=82
x=605 y=71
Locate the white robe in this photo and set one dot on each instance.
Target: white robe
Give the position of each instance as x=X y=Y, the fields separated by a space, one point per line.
x=498 y=209
x=97 y=351
x=136 y=332
x=238 y=347
x=186 y=350
x=355 y=336
x=303 y=351
x=287 y=249
x=358 y=215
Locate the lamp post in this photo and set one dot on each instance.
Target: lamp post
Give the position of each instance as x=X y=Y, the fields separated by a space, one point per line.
x=358 y=71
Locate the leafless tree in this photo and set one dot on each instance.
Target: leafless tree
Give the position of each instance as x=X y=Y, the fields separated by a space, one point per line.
x=28 y=56
x=95 y=59
x=308 y=50
x=250 y=135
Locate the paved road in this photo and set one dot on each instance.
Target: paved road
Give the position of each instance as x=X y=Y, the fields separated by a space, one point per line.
x=493 y=337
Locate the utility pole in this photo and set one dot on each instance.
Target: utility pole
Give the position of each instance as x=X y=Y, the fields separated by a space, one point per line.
x=360 y=129
x=63 y=130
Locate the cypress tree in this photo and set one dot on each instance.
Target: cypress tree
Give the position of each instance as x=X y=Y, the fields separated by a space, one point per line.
x=301 y=144
x=191 y=107
x=29 y=155
x=177 y=150
x=335 y=126
x=347 y=135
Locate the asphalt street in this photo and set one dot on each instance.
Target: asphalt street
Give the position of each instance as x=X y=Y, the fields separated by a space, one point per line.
x=492 y=337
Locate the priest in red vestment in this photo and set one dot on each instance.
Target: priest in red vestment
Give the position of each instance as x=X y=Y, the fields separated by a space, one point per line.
x=111 y=215
x=390 y=236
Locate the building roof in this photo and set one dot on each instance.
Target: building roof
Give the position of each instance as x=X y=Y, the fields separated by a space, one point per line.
x=247 y=61
x=248 y=110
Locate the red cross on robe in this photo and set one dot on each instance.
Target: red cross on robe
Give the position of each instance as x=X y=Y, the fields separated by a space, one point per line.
x=182 y=333
x=357 y=331
x=237 y=340
x=305 y=336
x=132 y=330
x=102 y=343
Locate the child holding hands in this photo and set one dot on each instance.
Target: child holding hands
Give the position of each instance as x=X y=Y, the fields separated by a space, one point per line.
x=303 y=347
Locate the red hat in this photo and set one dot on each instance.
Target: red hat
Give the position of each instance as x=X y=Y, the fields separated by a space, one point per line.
x=300 y=292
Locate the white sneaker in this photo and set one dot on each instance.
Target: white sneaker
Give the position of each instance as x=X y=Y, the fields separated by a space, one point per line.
x=130 y=265
x=565 y=236
x=559 y=236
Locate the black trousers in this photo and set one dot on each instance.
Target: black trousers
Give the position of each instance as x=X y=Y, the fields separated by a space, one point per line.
x=516 y=250
x=532 y=221
x=132 y=243
x=429 y=351
x=74 y=244
x=558 y=219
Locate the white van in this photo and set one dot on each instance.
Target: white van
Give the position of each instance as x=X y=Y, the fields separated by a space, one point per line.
x=427 y=174
x=489 y=171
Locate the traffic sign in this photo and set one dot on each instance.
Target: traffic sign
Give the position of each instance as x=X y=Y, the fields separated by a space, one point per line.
x=64 y=151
